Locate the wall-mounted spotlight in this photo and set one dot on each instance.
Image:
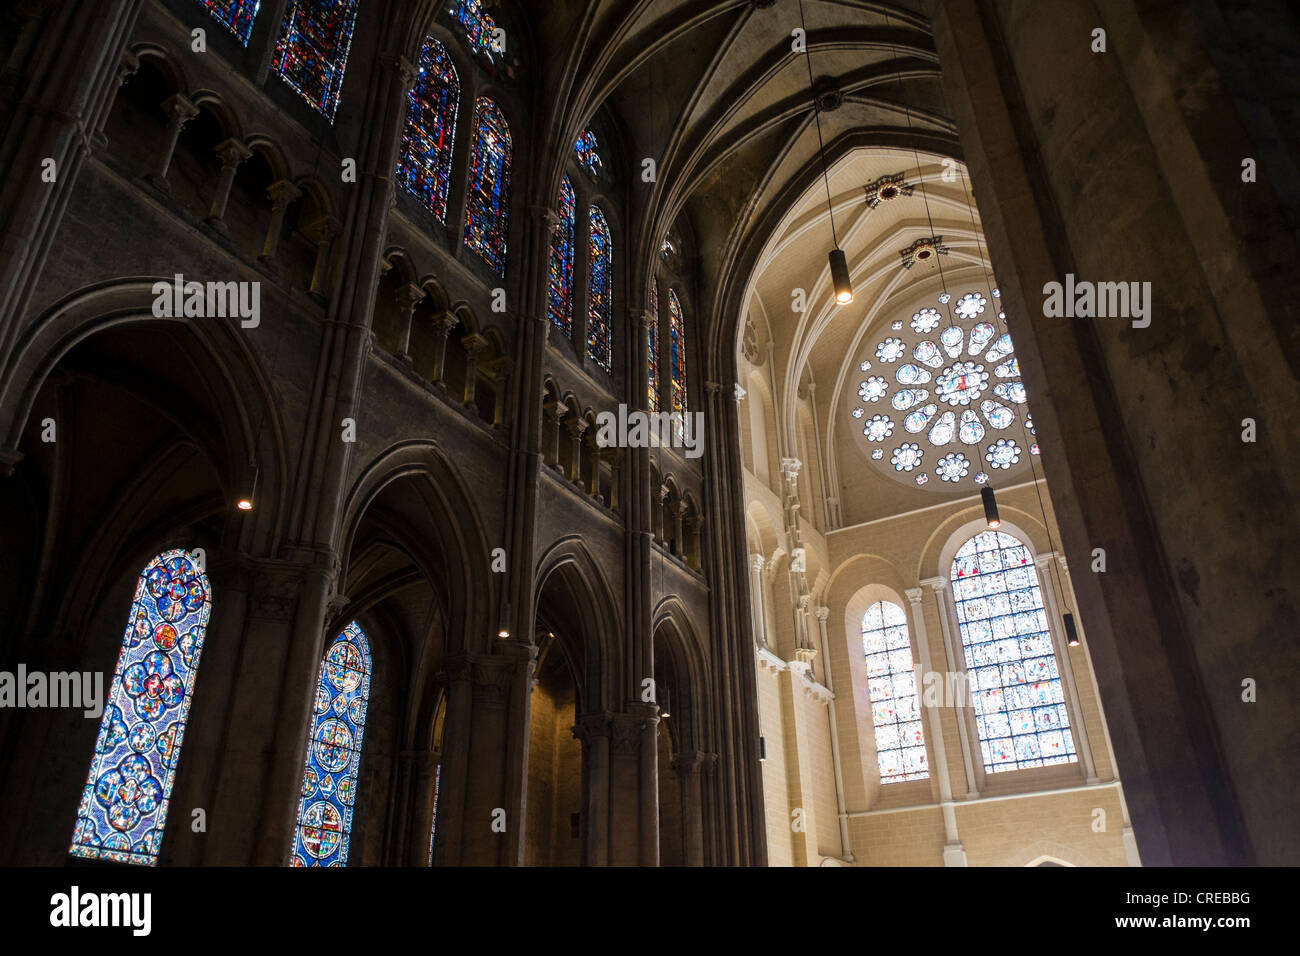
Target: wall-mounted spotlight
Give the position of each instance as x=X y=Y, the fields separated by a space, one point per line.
x=504 y=630
x=990 y=507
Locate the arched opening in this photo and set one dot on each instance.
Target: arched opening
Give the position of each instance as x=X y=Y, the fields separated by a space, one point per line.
x=554 y=761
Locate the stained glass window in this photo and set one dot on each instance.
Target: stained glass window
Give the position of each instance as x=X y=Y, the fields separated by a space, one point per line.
x=652 y=350
x=312 y=52
x=677 y=352
x=891 y=682
x=560 y=265
x=479 y=27
x=955 y=383
x=489 y=185
x=600 y=338
x=587 y=150
x=329 y=784
x=425 y=166
x=236 y=15
x=124 y=804
x=1019 y=706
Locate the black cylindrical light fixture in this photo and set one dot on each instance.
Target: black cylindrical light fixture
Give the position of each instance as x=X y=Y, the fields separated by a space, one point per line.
x=840 y=277
x=1071 y=634
x=990 y=507
x=247 y=495
x=762 y=748
x=503 y=631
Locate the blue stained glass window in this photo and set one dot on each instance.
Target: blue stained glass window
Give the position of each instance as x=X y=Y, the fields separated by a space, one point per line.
x=236 y=15
x=424 y=169
x=479 y=27
x=1019 y=705
x=560 y=264
x=329 y=784
x=123 y=807
x=891 y=684
x=677 y=352
x=312 y=52
x=600 y=338
x=588 y=154
x=488 y=207
x=652 y=350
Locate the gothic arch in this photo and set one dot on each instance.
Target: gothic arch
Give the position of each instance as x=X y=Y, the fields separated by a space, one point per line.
x=572 y=589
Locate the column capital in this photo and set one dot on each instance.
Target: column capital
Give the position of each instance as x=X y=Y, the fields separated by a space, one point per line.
x=474 y=343
x=127 y=67
x=575 y=426
x=283 y=192
x=444 y=322
x=740 y=394
x=914 y=595
x=179 y=108
x=232 y=152
x=822 y=612
x=409 y=295
x=937 y=585
x=324 y=229
x=544 y=216
x=402 y=66
x=756 y=562
x=790 y=468
x=645 y=317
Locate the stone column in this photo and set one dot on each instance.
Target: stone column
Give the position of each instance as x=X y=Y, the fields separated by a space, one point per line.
x=442 y=325
x=756 y=599
x=687 y=765
x=594 y=731
x=323 y=233
x=408 y=297
x=575 y=426
x=953 y=648
x=231 y=152
x=1052 y=608
x=679 y=541
x=474 y=345
x=954 y=854
x=281 y=194
x=179 y=111
x=553 y=413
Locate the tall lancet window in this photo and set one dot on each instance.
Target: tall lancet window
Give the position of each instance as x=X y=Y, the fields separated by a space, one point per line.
x=236 y=15
x=677 y=352
x=600 y=338
x=424 y=169
x=329 y=784
x=1019 y=704
x=124 y=804
x=891 y=682
x=489 y=185
x=312 y=52
x=652 y=350
x=559 y=293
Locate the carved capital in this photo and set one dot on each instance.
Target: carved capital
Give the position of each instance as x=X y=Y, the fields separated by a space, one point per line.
x=282 y=193
x=914 y=595
x=179 y=109
x=232 y=152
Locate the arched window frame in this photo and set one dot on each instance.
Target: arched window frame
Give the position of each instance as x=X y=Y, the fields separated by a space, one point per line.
x=1083 y=764
x=678 y=355
x=489 y=241
x=884 y=634
x=137 y=749
x=335 y=665
x=560 y=271
x=294 y=43
x=600 y=290
x=431 y=170
x=237 y=16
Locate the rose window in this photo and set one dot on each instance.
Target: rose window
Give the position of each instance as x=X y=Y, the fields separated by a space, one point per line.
x=946 y=400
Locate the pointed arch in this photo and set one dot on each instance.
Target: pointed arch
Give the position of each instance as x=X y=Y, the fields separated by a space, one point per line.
x=123 y=809
x=652 y=349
